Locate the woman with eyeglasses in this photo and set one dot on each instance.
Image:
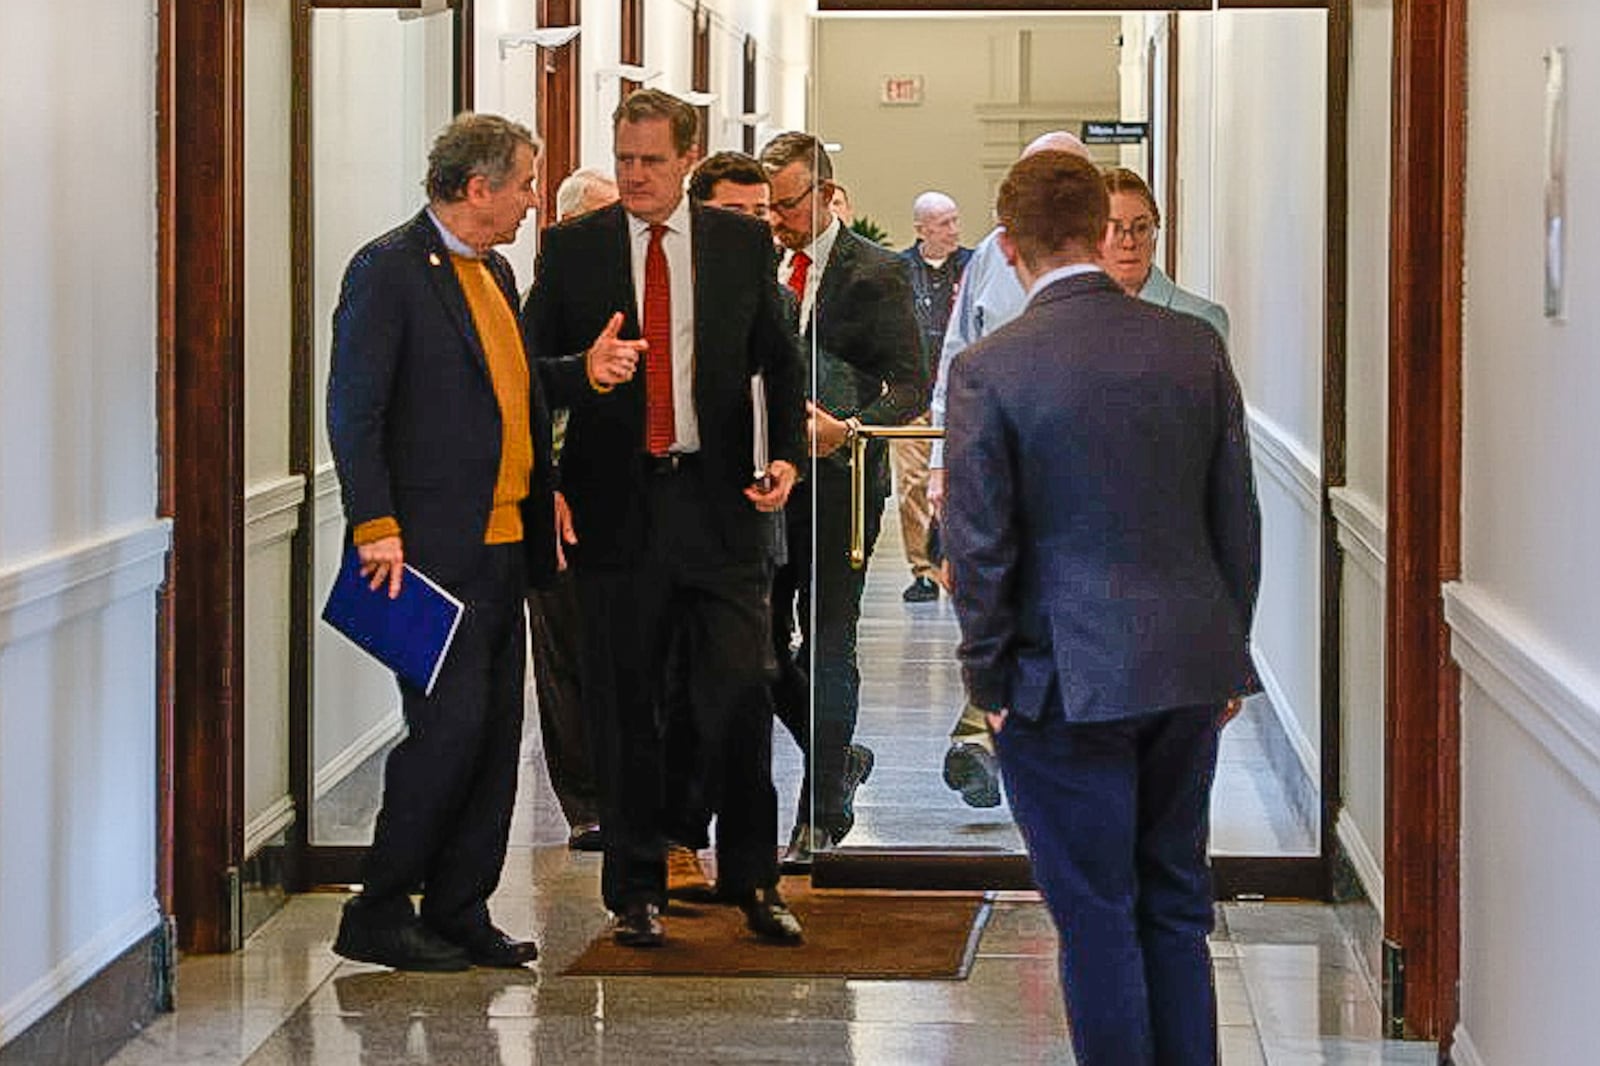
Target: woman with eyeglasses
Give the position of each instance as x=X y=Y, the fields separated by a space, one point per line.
x=1128 y=251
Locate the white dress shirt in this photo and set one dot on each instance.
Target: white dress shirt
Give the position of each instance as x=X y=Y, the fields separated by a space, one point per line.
x=820 y=248
x=675 y=245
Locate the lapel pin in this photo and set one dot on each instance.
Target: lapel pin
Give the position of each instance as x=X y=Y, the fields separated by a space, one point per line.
x=433 y=258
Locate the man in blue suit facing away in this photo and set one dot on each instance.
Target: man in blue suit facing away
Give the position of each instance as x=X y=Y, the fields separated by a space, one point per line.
x=1104 y=536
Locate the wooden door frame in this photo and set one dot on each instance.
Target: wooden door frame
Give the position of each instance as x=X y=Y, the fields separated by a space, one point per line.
x=1422 y=910
x=200 y=389
x=559 y=111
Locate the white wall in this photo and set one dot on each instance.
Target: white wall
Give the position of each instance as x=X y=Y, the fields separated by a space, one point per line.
x=1267 y=262
x=782 y=34
x=982 y=104
x=81 y=551
x=1523 y=617
x=1359 y=506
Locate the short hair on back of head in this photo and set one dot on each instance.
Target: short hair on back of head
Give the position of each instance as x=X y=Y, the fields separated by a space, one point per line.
x=797 y=147
x=736 y=167
x=474 y=145
x=1051 y=201
x=1121 y=179
x=643 y=105
x=576 y=187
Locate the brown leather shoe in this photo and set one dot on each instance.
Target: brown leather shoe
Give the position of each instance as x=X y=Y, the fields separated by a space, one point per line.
x=639 y=926
x=769 y=918
x=686 y=878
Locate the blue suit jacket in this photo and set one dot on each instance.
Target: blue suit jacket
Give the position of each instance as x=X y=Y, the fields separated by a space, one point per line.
x=412 y=416
x=1101 y=518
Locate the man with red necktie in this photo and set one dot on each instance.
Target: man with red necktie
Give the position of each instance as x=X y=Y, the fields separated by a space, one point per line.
x=672 y=530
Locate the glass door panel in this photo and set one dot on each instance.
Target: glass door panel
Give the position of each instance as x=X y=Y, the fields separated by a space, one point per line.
x=382 y=88
x=903 y=107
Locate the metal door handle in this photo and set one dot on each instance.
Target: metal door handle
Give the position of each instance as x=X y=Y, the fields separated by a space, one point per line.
x=856 y=439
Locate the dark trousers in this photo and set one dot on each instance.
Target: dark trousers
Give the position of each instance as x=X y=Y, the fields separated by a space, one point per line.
x=448 y=786
x=554 y=628
x=818 y=578
x=1115 y=815
x=687 y=587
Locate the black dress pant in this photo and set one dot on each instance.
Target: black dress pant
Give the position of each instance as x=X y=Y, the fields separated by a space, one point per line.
x=687 y=587
x=554 y=628
x=818 y=578
x=448 y=786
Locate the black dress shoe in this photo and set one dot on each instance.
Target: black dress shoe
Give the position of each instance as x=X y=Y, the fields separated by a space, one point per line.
x=491 y=947
x=639 y=926
x=586 y=837
x=972 y=771
x=858 y=764
x=921 y=590
x=406 y=944
x=769 y=918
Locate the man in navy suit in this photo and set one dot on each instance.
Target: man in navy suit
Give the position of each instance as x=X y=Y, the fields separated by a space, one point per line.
x=1105 y=547
x=441 y=440
x=672 y=519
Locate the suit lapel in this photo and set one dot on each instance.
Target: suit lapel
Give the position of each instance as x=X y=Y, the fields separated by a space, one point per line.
x=447 y=287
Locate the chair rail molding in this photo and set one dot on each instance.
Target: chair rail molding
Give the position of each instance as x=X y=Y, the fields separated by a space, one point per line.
x=1287 y=461
x=1362 y=529
x=1554 y=701
x=272 y=510
x=41 y=593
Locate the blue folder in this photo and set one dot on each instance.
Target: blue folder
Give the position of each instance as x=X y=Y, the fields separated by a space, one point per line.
x=409 y=634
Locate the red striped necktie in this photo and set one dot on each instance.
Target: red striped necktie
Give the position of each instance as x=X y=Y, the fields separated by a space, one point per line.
x=660 y=424
x=799 y=266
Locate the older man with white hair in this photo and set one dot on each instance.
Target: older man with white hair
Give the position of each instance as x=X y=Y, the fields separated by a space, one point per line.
x=990 y=296
x=585 y=189
x=935 y=263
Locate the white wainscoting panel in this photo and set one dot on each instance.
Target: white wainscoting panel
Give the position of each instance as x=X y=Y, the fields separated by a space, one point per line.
x=1362 y=530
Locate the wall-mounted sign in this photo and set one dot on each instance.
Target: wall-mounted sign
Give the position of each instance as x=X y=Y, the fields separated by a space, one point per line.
x=902 y=89
x=1115 y=131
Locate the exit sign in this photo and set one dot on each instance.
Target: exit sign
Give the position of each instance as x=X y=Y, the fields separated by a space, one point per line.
x=902 y=89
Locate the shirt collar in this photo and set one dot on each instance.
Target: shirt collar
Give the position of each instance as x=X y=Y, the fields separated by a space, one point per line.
x=821 y=246
x=1050 y=277
x=453 y=244
x=677 y=222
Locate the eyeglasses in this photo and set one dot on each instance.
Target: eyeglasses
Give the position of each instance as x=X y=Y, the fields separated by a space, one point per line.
x=1140 y=230
x=793 y=202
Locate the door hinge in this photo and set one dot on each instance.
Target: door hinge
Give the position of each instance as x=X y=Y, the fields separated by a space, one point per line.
x=165 y=961
x=1394 y=990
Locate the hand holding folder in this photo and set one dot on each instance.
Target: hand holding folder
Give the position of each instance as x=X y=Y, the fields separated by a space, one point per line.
x=410 y=634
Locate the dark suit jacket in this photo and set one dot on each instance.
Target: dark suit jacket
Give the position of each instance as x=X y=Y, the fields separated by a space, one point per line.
x=584 y=276
x=864 y=343
x=1101 y=516
x=412 y=416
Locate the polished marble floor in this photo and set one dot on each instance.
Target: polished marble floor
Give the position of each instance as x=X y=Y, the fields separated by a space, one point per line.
x=1295 y=983
x=1293 y=990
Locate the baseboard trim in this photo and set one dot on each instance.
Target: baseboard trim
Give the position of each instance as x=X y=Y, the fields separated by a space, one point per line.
x=1362 y=858
x=357 y=752
x=101 y=994
x=1290 y=751
x=278 y=816
x=1463 y=1052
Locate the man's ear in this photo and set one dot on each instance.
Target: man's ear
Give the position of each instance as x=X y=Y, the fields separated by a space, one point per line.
x=1008 y=248
x=478 y=189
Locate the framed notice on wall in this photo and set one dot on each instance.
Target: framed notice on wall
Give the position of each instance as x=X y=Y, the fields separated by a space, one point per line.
x=902 y=90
